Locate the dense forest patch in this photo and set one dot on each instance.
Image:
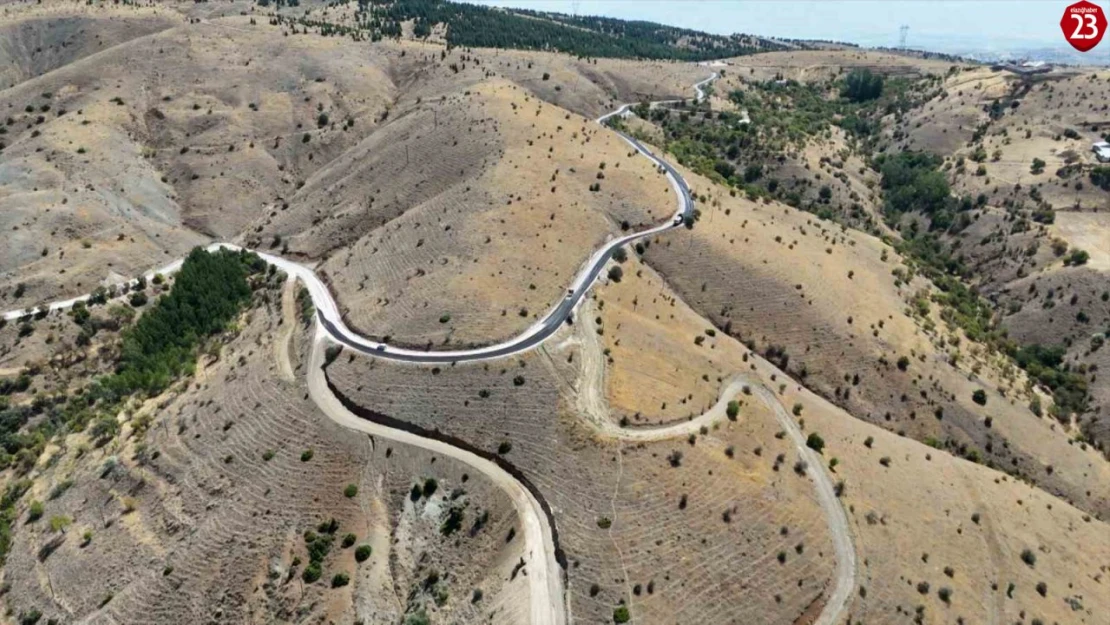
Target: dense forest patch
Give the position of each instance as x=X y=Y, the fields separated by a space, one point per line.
x=470 y=25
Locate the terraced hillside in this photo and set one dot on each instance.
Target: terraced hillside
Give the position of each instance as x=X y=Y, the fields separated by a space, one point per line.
x=203 y=506
x=674 y=529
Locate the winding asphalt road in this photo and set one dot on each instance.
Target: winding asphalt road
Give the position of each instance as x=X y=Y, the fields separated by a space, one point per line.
x=549 y=605
x=330 y=317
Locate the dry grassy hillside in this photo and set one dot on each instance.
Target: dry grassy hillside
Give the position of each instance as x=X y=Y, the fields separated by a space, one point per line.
x=198 y=511
x=924 y=522
x=944 y=540
x=838 y=310
x=821 y=65
x=122 y=160
x=1021 y=145
x=485 y=257
x=41 y=39
x=1002 y=122
x=680 y=530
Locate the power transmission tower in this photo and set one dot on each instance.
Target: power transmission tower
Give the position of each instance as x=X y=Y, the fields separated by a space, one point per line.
x=903 y=30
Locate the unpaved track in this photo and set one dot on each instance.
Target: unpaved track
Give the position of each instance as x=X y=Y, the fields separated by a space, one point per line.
x=545 y=576
x=591 y=403
x=839 y=531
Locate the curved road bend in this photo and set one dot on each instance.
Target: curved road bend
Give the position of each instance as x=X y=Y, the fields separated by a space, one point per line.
x=330 y=317
x=545 y=575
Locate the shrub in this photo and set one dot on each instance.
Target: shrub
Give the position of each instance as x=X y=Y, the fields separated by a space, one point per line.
x=362 y=553
x=348 y=540
x=430 y=486
x=60 y=523
x=138 y=299
x=505 y=447
x=1028 y=557
x=453 y=522
x=733 y=410
x=979 y=397
x=797 y=410
x=945 y=594
x=1042 y=589
x=815 y=442
x=1077 y=258
x=350 y=491
x=311 y=572
x=903 y=363
x=604 y=523
x=306 y=455
x=35 y=512
x=616 y=273
x=339 y=580
x=621 y=614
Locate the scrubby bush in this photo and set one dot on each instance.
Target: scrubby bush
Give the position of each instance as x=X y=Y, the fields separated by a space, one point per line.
x=815 y=442
x=35 y=512
x=979 y=397
x=1028 y=557
x=732 y=410
x=362 y=553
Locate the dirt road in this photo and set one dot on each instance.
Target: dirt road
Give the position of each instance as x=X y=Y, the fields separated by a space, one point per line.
x=545 y=577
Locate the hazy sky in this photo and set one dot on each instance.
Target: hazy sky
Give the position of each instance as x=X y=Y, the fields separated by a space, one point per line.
x=986 y=24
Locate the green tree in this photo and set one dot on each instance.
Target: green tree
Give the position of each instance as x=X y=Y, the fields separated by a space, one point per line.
x=862 y=85
x=815 y=442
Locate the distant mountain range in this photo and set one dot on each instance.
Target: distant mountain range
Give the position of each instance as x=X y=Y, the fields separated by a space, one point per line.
x=1001 y=49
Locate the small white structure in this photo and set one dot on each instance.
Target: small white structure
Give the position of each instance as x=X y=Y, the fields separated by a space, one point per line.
x=1102 y=151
